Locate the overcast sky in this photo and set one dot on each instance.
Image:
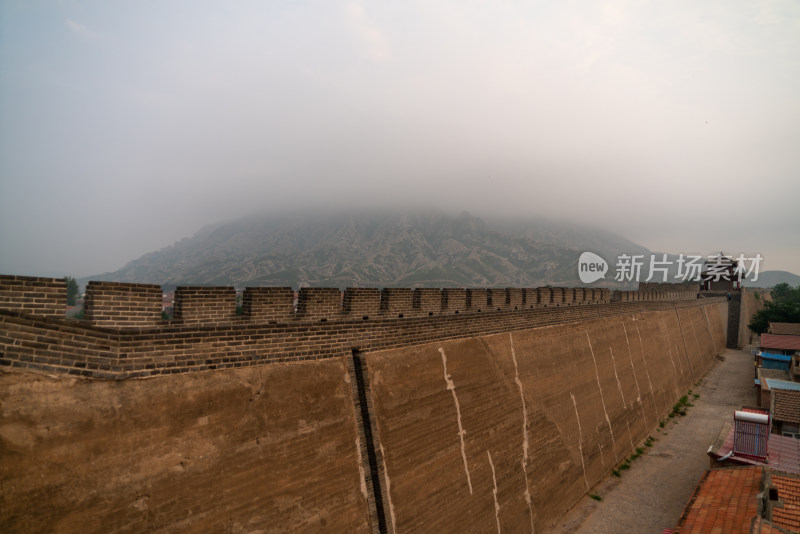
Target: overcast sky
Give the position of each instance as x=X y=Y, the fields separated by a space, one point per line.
x=125 y=126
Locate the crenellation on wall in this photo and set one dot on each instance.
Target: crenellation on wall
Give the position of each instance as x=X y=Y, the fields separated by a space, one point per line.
x=122 y=305
x=397 y=302
x=454 y=300
x=33 y=295
x=498 y=299
x=477 y=300
x=558 y=296
x=545 y=296
x=569 y=296
x=584 y=294
x=531 y=297
x=319 y=304
x=516 y=298
x=427 y=301
x=204 y=305
x=361 y=302
x=268 y=304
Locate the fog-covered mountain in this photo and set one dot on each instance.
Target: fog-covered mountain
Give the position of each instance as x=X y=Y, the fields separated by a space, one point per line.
x=411 y=249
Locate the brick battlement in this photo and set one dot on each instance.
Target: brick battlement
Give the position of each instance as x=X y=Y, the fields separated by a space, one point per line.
x=124 y=336
x=77 y=348
x=125 y=306
x=45 y=297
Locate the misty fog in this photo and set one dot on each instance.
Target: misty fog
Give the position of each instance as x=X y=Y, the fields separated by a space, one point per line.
x=128 y=126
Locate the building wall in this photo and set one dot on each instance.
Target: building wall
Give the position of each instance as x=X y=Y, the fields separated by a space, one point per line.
x=241 y=424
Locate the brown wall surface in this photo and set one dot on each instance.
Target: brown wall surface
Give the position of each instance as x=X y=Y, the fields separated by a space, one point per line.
x=266 y=449
x=248 y=424
x=544 y=413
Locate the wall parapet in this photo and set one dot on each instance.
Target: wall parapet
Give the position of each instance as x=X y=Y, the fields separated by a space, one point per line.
x=128 y=306
x=34 y=295
x=81 y=348
x=114 y=304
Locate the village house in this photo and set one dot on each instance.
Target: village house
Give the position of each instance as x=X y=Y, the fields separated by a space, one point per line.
x=742 y=500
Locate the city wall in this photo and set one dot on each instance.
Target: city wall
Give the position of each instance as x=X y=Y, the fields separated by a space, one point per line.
x=396 y=410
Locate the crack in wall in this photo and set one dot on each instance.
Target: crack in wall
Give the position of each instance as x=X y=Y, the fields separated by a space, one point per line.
x=665 y=333
x=677 y=353
x=580 y=440
x=635 y=380
x=494 y=493
x=524 y=428
x=602 y=456
x=685 y=347
x=602 y=398
x=696 y=342
x=452 y=388
x=646 y=371
x=619 y=384
x=630 y=438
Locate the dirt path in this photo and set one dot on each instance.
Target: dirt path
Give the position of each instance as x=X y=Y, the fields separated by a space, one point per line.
x=651 y=495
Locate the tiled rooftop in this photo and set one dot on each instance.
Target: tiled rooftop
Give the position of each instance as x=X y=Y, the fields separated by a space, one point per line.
x=785 y=342
x=723 y=502
x=786 y=405
x=762 y=526
x=780 y=374
x=726 y=501
x=786 y=329
x=788 y=487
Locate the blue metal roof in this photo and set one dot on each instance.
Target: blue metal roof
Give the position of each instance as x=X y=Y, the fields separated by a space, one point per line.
x=778 y=357
x=774 y=383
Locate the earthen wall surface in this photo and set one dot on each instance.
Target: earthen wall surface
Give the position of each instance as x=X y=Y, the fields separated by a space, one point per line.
x=268 y=449
x=538 y=416
x=214 y=423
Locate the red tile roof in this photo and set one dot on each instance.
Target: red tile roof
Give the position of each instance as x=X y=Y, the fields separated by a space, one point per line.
x=726 y=501
x=786 y=405
x=788 y=487
x=723 y=502
x=762 y=526
x=772 y=341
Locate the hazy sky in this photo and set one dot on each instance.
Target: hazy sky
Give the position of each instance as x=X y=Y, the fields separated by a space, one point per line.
x=125 y=126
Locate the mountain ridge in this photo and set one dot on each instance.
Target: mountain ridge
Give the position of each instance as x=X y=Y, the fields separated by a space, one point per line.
x=412 y=249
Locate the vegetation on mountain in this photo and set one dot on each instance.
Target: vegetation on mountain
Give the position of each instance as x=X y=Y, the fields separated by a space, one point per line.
x=411 y=249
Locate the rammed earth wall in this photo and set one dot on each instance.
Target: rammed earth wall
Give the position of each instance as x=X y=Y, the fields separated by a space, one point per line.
x=213 y=422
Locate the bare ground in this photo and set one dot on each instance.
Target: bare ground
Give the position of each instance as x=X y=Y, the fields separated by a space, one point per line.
x=652 y=494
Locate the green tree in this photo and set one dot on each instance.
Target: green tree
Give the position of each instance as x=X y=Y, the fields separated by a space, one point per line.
x=784 y=308
x=72 y=290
